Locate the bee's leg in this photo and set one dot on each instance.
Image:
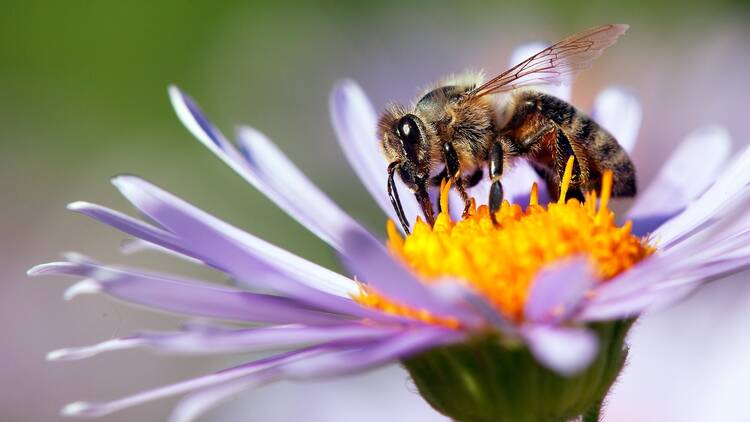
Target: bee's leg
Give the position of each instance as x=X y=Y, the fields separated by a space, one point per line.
x=495 y=159
x=453 y=167
x=529 y=143
x=424 y=200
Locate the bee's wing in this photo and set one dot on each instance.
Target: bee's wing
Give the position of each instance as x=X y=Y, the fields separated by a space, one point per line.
x=548 y=66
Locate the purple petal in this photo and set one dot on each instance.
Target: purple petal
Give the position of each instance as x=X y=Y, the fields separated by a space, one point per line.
x=668 y=278
x=238 y=251
x=336 y=363
x=717 y=199
x=629 y=306
x=224 y=340
x=372 y=264
x=279 y=269
x=249 y=259
x=260 y=370
x=526 y=50
x=196 y=404
x=704 y=152
x=192 y=117
x=518 y=181
x=620 y=113
x=183 y=296
x=286 y=185
x=235 y=250
x=557 y=291
x=564 y=350
x=389 y=350
x=354 y=122
x=134 y=227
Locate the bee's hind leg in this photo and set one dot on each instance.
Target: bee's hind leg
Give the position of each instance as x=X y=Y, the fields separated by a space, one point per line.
x=453 y=167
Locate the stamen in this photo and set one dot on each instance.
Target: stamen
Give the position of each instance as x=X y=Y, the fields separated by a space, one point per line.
x=567 y=176
x=606 y=191
x=445 y=186
x=534 y=196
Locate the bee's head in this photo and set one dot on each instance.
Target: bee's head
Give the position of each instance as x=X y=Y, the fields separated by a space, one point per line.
x=403 y=140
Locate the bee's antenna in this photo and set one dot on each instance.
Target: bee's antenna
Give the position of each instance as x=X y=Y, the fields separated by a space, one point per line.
x=393 y=196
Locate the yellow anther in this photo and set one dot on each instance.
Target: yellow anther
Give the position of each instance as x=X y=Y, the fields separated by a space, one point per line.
x=534 y=196
x=567 y=177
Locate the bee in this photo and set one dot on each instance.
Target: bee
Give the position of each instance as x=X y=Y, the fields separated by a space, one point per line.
x=459 y=130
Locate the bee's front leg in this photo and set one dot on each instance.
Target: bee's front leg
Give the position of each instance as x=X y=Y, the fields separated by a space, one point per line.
x=453 y=167
x=495 y=159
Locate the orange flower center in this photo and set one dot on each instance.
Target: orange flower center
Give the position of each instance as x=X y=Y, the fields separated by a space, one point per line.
x=500 y=261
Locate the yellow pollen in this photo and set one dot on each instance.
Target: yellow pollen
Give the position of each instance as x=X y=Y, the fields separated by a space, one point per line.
x=501 y=261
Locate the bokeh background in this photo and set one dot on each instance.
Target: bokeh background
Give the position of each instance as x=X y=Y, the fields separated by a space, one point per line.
x=83 y=98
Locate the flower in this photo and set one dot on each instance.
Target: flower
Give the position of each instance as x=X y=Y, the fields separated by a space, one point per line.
x=561 y=315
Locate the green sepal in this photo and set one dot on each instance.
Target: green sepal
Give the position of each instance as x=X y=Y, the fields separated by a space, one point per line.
x=487 y=379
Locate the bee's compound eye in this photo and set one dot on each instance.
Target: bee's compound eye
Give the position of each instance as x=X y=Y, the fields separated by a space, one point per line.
x=408 y=132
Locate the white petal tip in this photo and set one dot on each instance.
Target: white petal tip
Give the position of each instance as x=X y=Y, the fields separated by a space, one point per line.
x=47 y=269
x=82 y=409
x=58 y=355
x=345 y=90
x=78 y=205
x=175 y=94
x=83 y=287
x=77 y=353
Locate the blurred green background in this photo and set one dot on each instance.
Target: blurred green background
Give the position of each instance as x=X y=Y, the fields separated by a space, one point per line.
x=83 y=97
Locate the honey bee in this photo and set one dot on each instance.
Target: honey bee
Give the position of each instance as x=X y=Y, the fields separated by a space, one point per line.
x=459 y=129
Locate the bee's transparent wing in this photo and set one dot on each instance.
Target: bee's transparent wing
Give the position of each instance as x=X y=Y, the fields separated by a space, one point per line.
x=548 y=66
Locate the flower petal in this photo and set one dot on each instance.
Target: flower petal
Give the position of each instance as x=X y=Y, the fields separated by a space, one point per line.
x=354 y=121
x=719 y=198
x=225 y=340
x=260 y=370
x=688 y=172
x=389 y=350
x=619 y=112
x=517 y=184
x=665 y=279
x=288 y=187
x=239 y=252
x=196 y=404
x=564 y=350
x=342 y=362
x=557 y=291
x=262 y=264
x=184 y=296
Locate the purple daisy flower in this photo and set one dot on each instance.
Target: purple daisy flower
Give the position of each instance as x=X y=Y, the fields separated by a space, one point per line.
x=570 y=326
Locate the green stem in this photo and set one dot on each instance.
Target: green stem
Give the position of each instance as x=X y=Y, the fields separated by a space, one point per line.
x=592 y=415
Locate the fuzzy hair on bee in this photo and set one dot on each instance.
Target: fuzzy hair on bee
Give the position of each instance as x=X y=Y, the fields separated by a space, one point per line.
x=457 y=129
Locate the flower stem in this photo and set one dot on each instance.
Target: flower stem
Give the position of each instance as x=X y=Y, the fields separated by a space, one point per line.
x=592 y=415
